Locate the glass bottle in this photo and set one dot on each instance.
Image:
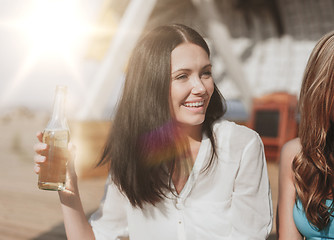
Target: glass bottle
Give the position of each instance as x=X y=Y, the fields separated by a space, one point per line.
x=52 y=175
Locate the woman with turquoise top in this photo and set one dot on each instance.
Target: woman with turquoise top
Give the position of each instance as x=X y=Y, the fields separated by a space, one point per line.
x=306 y=173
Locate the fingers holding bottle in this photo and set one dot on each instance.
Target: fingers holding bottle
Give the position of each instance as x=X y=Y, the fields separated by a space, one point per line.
x=38 y=159
x=41 y=152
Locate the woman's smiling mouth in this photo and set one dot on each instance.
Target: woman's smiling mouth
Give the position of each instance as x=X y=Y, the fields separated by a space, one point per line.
x=194 y=104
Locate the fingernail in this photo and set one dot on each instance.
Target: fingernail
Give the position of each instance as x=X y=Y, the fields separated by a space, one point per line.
x=42 y=158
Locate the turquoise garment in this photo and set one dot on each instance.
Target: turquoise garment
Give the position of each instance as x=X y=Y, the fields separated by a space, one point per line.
x=306 y=229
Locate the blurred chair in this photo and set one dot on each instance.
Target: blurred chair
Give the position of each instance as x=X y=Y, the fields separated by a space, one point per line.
x=273 y=116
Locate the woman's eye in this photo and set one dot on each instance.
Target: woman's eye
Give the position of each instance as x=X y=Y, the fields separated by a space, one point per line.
x=182 y=76
x=206 y=74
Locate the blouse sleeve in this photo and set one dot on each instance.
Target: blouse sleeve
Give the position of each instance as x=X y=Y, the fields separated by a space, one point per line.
x=251 y=206
x=110 y=221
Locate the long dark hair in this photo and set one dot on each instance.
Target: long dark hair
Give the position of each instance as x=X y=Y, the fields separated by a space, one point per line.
x=143 y=148
x=314 y=166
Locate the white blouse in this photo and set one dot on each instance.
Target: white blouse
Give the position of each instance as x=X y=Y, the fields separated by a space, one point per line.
x=232 y=200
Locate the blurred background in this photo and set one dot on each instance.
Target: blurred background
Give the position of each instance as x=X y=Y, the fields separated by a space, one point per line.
x=259 y=52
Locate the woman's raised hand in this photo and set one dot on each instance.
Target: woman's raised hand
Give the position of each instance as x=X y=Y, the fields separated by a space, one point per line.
x=75 y=221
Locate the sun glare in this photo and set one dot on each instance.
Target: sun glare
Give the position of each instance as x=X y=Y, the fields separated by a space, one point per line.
x=52 y=30
x=55 y=27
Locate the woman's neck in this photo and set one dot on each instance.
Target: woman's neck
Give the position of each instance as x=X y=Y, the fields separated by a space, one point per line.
x=192 y=133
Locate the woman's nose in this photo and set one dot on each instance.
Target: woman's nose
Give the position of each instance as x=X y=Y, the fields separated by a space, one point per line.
x=198 y=87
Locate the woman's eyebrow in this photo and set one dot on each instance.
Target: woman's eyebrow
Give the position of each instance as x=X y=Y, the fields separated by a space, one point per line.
x=181 y=69
x=206 y=66
x=187 y=69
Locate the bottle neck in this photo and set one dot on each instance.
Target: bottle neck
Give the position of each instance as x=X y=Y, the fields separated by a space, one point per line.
x=58 y=118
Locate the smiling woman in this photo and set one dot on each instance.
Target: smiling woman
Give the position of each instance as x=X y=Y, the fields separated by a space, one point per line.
x=177 y=169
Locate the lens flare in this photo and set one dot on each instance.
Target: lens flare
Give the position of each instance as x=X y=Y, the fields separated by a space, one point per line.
x=164 y=144
x=55 y=31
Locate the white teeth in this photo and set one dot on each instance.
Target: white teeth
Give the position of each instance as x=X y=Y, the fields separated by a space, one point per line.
x=194 y=104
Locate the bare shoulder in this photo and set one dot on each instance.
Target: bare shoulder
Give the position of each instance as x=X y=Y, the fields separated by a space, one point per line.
x=292 y=147
x=289 y=151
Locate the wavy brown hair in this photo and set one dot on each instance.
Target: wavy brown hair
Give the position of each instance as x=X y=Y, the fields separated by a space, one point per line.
x=144 y=148
x=314 y=166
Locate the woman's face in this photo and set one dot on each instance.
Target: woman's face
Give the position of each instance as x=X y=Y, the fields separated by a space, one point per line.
x=191 y=84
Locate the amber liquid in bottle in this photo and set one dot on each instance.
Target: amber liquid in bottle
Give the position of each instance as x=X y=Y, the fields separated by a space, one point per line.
x=52 y=175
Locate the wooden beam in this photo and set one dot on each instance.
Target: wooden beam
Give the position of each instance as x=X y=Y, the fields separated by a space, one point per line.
x=112 y=67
